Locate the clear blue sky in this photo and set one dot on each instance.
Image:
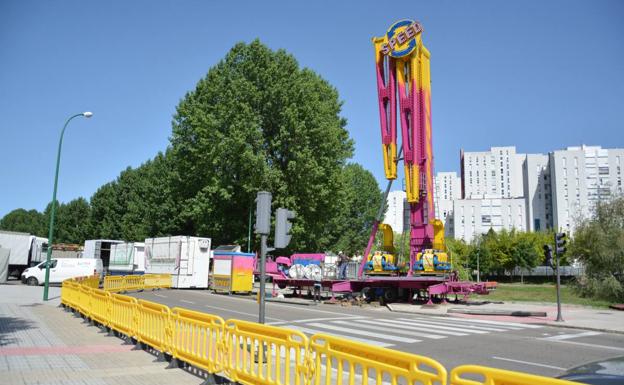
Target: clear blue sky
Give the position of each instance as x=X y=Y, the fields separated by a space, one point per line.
x=540 y=75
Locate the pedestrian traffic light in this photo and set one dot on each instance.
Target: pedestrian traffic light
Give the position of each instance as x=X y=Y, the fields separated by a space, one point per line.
x=263 y=213
x=283 y=227
x=560 y=242
x=548 y=255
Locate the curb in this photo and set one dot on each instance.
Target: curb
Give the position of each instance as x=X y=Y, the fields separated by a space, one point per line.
x=512 y=313
x=292 y=302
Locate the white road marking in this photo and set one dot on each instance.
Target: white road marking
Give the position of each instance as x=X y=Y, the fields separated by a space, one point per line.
x=570 y=336
x=587 y=344
x=185 y=301
x=378 y=327
x=160 y=295
x=315 y=319
x=314 y=331
x=500 y=323
x=463 y=326
x=529 y=363
x=239 y=312
x=433 y=325
x=411 y=326
x=358 y=332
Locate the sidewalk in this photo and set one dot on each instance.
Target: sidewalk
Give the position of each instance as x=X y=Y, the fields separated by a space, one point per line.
x=578 y=317
x=41 y=343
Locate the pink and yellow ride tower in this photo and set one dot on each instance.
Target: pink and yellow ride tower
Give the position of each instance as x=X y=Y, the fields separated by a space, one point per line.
x=403 y=73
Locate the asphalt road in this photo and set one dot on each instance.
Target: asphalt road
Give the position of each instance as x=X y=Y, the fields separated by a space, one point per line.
x=452 y=341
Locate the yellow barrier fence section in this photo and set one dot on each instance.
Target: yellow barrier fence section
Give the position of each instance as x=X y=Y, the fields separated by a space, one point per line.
x=122 y=314
x=84 y=299
x=253 y=354
x=134 y=282
x=339 y=360
x=197 y=338
x=114 y=283
x=154 y=281
x=100 y=306
x=492 y=376
x=264 y=354
x=153 y=325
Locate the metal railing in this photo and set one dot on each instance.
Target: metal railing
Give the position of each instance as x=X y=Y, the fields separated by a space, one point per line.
x=251 y=353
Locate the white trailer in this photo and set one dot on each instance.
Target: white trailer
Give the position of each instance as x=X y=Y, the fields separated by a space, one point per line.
x=187 y=259
x=127 y=258
x=99 y=248
x=25 y=250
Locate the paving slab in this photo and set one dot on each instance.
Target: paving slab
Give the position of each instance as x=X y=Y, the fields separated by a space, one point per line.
x=40 y=343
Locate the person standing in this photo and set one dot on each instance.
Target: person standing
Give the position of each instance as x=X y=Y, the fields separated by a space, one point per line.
x=343 y=262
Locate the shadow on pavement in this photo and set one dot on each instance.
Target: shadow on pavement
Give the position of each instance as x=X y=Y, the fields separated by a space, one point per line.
x=10 y=325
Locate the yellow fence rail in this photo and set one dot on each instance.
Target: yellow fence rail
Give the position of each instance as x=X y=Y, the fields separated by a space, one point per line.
x=492 y=376
x=253 y=354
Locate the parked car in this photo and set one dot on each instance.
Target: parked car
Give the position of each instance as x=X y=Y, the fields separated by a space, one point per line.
x=62 y=269
x=603 y=372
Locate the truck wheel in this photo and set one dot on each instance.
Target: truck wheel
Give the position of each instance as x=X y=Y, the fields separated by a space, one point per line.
x=390 y=295
x=32 y=281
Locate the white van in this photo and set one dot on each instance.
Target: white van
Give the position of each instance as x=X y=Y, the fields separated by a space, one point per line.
x=62 y=269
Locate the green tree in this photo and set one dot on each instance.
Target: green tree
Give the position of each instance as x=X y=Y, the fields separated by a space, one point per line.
x=599 y=243
x=257 y=121
x=360 y=197
x=24 y=221
x=71 y=222
x=106 y=212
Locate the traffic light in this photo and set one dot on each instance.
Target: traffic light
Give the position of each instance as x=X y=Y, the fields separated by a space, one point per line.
x=548 y=255
x=560 y=242
x=282 y=227
x=263 y=213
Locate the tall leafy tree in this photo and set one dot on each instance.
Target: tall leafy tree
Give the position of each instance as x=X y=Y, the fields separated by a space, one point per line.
x=599 y=243
x=24 y=221
x=361 y=201
x=72 y=221
x=258 y=121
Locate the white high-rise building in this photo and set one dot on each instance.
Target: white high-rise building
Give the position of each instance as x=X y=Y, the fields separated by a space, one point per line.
x=581 y=176
x=447 y=189
x=394 y=213
x=473 y=217
x=537 y=192
x=494 y=173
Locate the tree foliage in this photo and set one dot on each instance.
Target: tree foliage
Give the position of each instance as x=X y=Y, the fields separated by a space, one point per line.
x=259 y=122
x=71 y=221
x=24 y=221
x=361 y=200
x=599 y=244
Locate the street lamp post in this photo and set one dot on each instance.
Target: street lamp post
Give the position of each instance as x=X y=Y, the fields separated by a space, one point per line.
x=46 y=285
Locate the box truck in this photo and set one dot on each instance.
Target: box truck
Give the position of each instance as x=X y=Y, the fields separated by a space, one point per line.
x=127 y=258
x=26 y=250
x=99 y=249
x=186 y=258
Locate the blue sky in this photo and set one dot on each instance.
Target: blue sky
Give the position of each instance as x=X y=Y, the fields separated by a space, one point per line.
x=540 y=75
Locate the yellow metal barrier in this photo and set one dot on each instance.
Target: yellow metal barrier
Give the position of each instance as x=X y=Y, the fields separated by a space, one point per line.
x=134 y=282
x=337 y=360
x=69 y=293
x=263 y=354
x=492 y=376
x=123 y=314
x=100 y=306
x=157 y=281
x=153 y=325
x=197 y=338
x=84 y=299
x=114 y=283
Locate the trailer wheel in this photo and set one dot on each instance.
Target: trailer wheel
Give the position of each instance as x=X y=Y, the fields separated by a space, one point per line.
x=368 y=294
x=32 y=281
x=390 y=295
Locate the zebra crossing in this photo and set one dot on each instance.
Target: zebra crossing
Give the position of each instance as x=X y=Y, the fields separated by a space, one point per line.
x=401 y=330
